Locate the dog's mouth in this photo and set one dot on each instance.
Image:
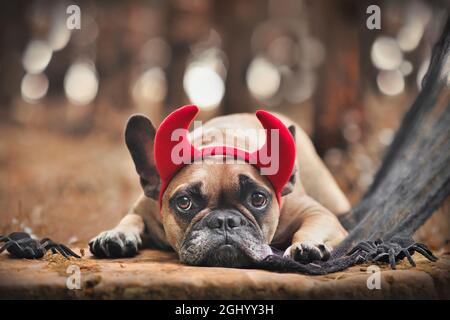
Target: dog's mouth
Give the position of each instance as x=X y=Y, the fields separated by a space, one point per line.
x=234 y=248
x=227 y=255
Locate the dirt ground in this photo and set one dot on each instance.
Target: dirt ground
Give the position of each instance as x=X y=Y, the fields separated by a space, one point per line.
x=67 y=188
x=159 y=275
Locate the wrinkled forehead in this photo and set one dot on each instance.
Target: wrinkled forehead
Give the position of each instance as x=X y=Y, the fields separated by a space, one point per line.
x=215 y=177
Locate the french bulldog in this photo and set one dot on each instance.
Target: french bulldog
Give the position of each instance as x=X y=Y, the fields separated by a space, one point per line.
x=227 y=213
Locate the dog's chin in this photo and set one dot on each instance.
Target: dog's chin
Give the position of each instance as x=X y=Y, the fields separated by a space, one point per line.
x=227 y=255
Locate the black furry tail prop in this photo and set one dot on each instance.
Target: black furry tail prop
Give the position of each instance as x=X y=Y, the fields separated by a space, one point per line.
x=412 y=182
x=366 y=251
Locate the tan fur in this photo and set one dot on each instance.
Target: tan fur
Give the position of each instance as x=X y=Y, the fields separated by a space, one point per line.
x=307 y=215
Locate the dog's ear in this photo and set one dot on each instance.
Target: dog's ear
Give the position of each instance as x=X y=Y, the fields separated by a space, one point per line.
x=289 y=187
x=139 y=137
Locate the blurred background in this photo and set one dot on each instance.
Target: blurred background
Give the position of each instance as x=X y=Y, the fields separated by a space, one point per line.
x=65 y=95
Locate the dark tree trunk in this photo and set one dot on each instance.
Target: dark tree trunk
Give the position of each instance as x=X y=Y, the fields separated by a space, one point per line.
x=14 y=32
x=339 y=82
x=236 y=21
x=188 y=23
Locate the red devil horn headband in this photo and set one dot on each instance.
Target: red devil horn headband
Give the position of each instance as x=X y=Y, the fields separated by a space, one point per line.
x=172 y=139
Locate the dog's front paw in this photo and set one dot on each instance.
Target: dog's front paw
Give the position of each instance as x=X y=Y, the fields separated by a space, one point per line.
x=115 y=244
x=308 y=251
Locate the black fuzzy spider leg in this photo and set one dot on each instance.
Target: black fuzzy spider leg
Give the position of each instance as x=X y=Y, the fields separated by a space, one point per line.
x=65 y=251
x=61 y=251
x=11 y=242
x=6 y=246
x=424 y=247
x=420 y=250
x=380 y=256
x=46 y=241
x=392 y=261
x=4 y=238
x=355 y=249
x=370 y=244
x=50 y=245
x=69 y=251
x=364 y=246
x=408 y=256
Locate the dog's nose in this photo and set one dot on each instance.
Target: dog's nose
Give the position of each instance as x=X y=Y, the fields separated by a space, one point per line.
x=225 y=220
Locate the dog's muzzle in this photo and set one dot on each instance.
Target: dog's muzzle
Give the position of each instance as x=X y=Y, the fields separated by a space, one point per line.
x=223 y=238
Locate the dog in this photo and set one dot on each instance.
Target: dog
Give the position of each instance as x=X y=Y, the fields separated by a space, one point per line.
x=227 y=213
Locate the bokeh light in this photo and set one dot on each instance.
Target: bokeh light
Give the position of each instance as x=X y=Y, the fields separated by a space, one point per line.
x=406 y=68
x=81 y=83
x=391 y=82
x=34 y=87
x=59 y=34
x=37 y=56
x=204 y=78
x=150 y=87
x=263 y=79
x=409 y=36
x=386 y=54
x=204 y=86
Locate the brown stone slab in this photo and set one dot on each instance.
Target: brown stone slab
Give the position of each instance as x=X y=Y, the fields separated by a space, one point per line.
x=158 y=275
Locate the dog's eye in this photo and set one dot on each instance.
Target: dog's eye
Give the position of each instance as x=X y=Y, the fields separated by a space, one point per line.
x=258 y=200
x=184 y=203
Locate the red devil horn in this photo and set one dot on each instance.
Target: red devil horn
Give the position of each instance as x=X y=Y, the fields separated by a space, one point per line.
x=173 y=150
x=172 y=135
x=276 y=158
